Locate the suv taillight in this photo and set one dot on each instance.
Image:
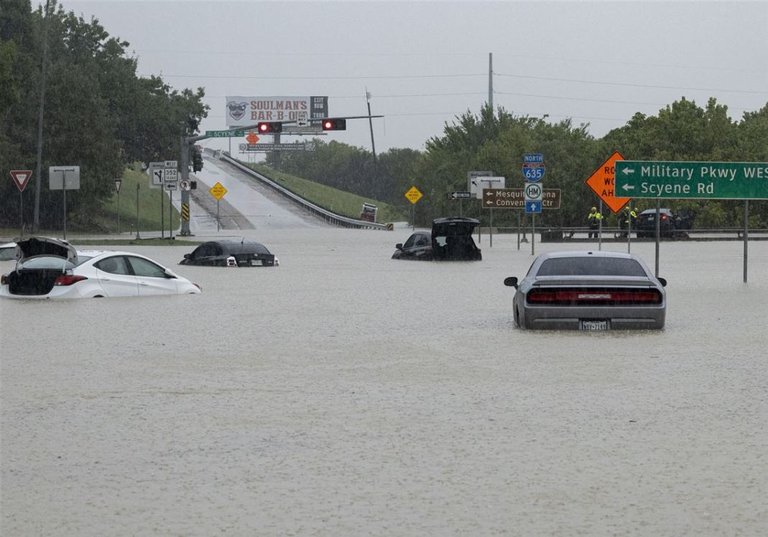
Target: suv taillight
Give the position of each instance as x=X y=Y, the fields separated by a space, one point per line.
x=68 y=279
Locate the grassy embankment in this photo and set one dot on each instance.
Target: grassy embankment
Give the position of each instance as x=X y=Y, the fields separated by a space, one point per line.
x=148 y=216
x=332 y=199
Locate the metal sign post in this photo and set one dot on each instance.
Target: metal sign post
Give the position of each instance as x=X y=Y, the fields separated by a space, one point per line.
x=138 y=186
x=21 y=177
x=118 y=184
x=64 y=178
x=413 y=195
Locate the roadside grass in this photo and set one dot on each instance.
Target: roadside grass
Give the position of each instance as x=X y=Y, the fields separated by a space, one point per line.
x=139 y=208
x=153 y=207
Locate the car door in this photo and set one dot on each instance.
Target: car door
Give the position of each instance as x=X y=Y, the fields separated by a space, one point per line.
x=115 y=277
x=151 y=277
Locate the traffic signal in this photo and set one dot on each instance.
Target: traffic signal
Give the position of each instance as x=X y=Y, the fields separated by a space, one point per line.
x=334 y=124
x=269 y=127
x=197 y=159
x=192 y=124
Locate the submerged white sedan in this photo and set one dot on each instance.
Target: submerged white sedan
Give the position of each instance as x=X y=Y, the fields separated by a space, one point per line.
x=585 y=290
x=48 y=268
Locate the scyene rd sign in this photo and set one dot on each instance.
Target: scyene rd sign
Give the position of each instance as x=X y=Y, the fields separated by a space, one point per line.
x=678 y=179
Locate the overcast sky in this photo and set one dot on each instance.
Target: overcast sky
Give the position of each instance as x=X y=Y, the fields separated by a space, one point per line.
x=425 y=63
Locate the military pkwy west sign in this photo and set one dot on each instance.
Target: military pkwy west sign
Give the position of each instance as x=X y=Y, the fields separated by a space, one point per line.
x=678 y=179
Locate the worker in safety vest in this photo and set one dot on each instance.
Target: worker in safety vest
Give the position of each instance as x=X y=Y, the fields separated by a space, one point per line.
x=593 y=220
x=627 y=219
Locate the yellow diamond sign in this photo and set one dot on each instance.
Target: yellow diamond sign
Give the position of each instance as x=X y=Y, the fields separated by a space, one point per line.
x=413 y=195
x=217 y=191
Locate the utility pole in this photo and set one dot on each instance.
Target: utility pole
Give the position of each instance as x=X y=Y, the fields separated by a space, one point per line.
x=41 y=109
x=370 y=122
x=490 y=81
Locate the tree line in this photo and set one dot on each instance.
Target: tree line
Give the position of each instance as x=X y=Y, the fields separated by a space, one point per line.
x=496 y=140
x=97 y=113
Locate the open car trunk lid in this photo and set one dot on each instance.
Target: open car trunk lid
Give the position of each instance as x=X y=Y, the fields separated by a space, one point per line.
x=45 y=246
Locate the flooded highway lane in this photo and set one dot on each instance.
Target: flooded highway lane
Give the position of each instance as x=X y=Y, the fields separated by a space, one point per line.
x=345 y=393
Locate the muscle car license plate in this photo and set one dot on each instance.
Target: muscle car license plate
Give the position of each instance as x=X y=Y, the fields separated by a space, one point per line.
x=594 y=325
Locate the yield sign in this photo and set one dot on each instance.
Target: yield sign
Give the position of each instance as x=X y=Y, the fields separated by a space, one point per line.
x=603 y=180
x=20 y=177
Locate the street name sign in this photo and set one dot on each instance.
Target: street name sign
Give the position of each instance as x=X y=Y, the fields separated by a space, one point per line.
x=514 y=198
x=224 y=134
x=461 y=195
x=603 y=183
x=478 y=183
x=306 y=146
x=683 y=179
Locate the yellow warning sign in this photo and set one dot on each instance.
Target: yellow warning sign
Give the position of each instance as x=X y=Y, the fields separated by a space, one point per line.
x=218 y=191
x=413 y=195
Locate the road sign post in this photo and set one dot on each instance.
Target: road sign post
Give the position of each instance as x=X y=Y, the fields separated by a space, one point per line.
x=64 y=178
x=218 y=191
x=413 y=195
x=21 y=178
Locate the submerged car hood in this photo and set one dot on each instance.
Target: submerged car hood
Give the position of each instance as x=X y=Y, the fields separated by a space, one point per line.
x=45 y=246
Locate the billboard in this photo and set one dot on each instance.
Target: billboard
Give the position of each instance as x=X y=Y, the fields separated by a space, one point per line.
x=245 y=111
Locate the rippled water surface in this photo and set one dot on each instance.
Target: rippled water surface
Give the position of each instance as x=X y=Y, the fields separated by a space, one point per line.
x=345 y=393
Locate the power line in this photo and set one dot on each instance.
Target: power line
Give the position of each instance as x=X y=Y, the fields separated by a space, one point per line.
x=626 y=84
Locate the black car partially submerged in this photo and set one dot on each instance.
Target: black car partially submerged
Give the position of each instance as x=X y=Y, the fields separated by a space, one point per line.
x=230 y=254
x=671 y=225
x=450 y=240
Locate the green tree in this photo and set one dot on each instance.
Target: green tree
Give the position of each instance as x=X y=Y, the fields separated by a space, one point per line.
x=98 y=114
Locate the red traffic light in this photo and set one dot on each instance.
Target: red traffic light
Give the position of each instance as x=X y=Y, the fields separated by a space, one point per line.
x=334 y=124
x=269 y=127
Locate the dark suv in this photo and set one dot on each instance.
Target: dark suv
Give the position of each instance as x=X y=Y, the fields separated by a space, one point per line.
x=671 y=225
x=450 y=240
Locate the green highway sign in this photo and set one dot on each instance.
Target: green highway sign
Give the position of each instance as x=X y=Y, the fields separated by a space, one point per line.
x=224 y=134
x=678 y=179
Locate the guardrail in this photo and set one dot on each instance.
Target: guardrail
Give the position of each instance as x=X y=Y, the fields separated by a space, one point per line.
x=324 y=214
x=581 y=234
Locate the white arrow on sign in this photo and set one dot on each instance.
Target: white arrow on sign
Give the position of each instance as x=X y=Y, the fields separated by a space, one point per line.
x=628 y=171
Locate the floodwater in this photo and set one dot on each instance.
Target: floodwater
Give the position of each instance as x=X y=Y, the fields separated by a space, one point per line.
x=344 y=394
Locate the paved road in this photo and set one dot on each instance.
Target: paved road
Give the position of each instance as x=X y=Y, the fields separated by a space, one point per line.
x=246 y=205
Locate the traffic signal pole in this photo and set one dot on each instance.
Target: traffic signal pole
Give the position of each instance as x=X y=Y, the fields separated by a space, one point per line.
x=186 y=145
x=186 y=142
